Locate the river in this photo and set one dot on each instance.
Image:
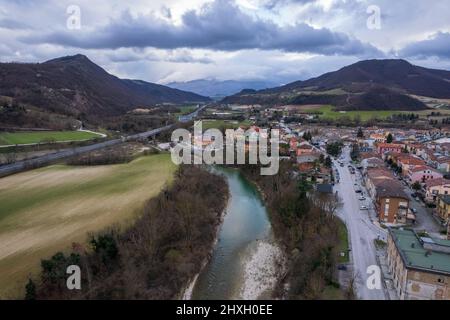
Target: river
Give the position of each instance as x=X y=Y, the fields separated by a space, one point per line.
x=245 y=231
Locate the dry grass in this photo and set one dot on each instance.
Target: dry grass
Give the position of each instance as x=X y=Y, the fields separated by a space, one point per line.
x=46 y=210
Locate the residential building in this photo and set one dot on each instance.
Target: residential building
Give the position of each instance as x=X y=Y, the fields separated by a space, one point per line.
x=392 y=203
x=443 y=207
x=389 y=147
x=420 y=266
x=406 y=162
x=374 y=177
x=436 y=187
x=422 y=174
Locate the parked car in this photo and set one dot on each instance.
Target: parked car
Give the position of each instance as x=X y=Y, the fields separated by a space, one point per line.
x=414 y=210
x=364 y=208
x=342 y=267
x=358 y=191
x=362 y=198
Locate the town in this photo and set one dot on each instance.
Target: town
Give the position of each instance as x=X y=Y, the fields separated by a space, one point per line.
x=194 y=153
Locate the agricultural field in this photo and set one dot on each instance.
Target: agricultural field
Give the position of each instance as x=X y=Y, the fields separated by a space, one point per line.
x=46 y=210
x=328 y=112
x=218 y=124
x=186 y=110
x=15 y=138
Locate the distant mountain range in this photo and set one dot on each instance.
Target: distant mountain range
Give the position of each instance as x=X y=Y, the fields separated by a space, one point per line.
x=75 y=85
x=216 y=88
x=366 y=85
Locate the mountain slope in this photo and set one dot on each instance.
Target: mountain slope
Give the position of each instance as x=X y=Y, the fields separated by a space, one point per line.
x=366 y=85
x=216 y=88
x=74 y=85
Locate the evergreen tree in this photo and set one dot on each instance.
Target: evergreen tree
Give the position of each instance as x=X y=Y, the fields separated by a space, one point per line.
x=389 y=138
x=360 y=133
x=30 y=290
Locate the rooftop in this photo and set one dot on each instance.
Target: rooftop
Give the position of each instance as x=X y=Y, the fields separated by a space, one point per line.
x=415 y=255
x=436 y=182
x=445 y=198
x=390 y=189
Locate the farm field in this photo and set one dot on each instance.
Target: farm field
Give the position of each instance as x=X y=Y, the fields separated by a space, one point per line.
x=328 y=112
x=217 y=124
x=46 y=210
x=186 y=110
x=13 y=138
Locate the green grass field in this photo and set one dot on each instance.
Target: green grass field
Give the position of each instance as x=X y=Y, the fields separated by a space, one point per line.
x=13 y=138
x=46 y=210
x=328 y=112
x=217 y=124
x=186 y=110
x=343 y=245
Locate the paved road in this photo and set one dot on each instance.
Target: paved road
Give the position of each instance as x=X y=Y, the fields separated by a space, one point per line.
x=362 y=232
x=424 y=218
x=58 y=155
x=52 y=157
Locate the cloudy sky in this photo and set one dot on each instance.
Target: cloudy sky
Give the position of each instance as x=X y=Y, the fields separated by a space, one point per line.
x=180 y=40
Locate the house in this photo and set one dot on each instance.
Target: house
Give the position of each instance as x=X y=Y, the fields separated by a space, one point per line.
x=443 y=164
x=389 y=147
x=375 y=176
x=378 y=137
x=443 y=207
x=422 y=174
x=419 y=266
x=392 y=203
x=308 y=157
x=305 y=149
x=406 y=162
x=435 y=188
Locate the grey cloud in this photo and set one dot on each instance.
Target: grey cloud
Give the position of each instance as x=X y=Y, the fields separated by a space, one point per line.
x=219 y=25
x=438 y=46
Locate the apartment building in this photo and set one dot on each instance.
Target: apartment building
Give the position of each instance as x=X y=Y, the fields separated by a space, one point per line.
x=420 y=266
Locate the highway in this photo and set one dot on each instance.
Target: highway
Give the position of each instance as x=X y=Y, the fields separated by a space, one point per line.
x=59 y=155
x=362 y=232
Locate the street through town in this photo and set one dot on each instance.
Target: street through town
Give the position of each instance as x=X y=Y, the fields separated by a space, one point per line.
x=362 y=232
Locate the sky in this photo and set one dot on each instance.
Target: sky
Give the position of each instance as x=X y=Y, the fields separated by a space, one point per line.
x=180 y=40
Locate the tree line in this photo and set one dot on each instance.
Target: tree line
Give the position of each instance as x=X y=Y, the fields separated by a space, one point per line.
x=155 y=257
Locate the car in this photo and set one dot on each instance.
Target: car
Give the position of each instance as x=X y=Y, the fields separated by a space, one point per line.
x=358 y=191
x=414 y=195
x=363 y=208
x=414 y=210
x=362 y=198
x=342 y=267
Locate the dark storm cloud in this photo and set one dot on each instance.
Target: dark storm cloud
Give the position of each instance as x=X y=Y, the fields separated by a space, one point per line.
x=438 y=46
x=218 y=26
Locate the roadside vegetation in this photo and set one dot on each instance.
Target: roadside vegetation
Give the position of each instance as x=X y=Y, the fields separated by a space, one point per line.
x=154 y=258
x=46 y=210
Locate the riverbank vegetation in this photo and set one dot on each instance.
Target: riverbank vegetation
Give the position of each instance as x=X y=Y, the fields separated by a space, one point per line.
x=305 y=224
x=156 y=257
